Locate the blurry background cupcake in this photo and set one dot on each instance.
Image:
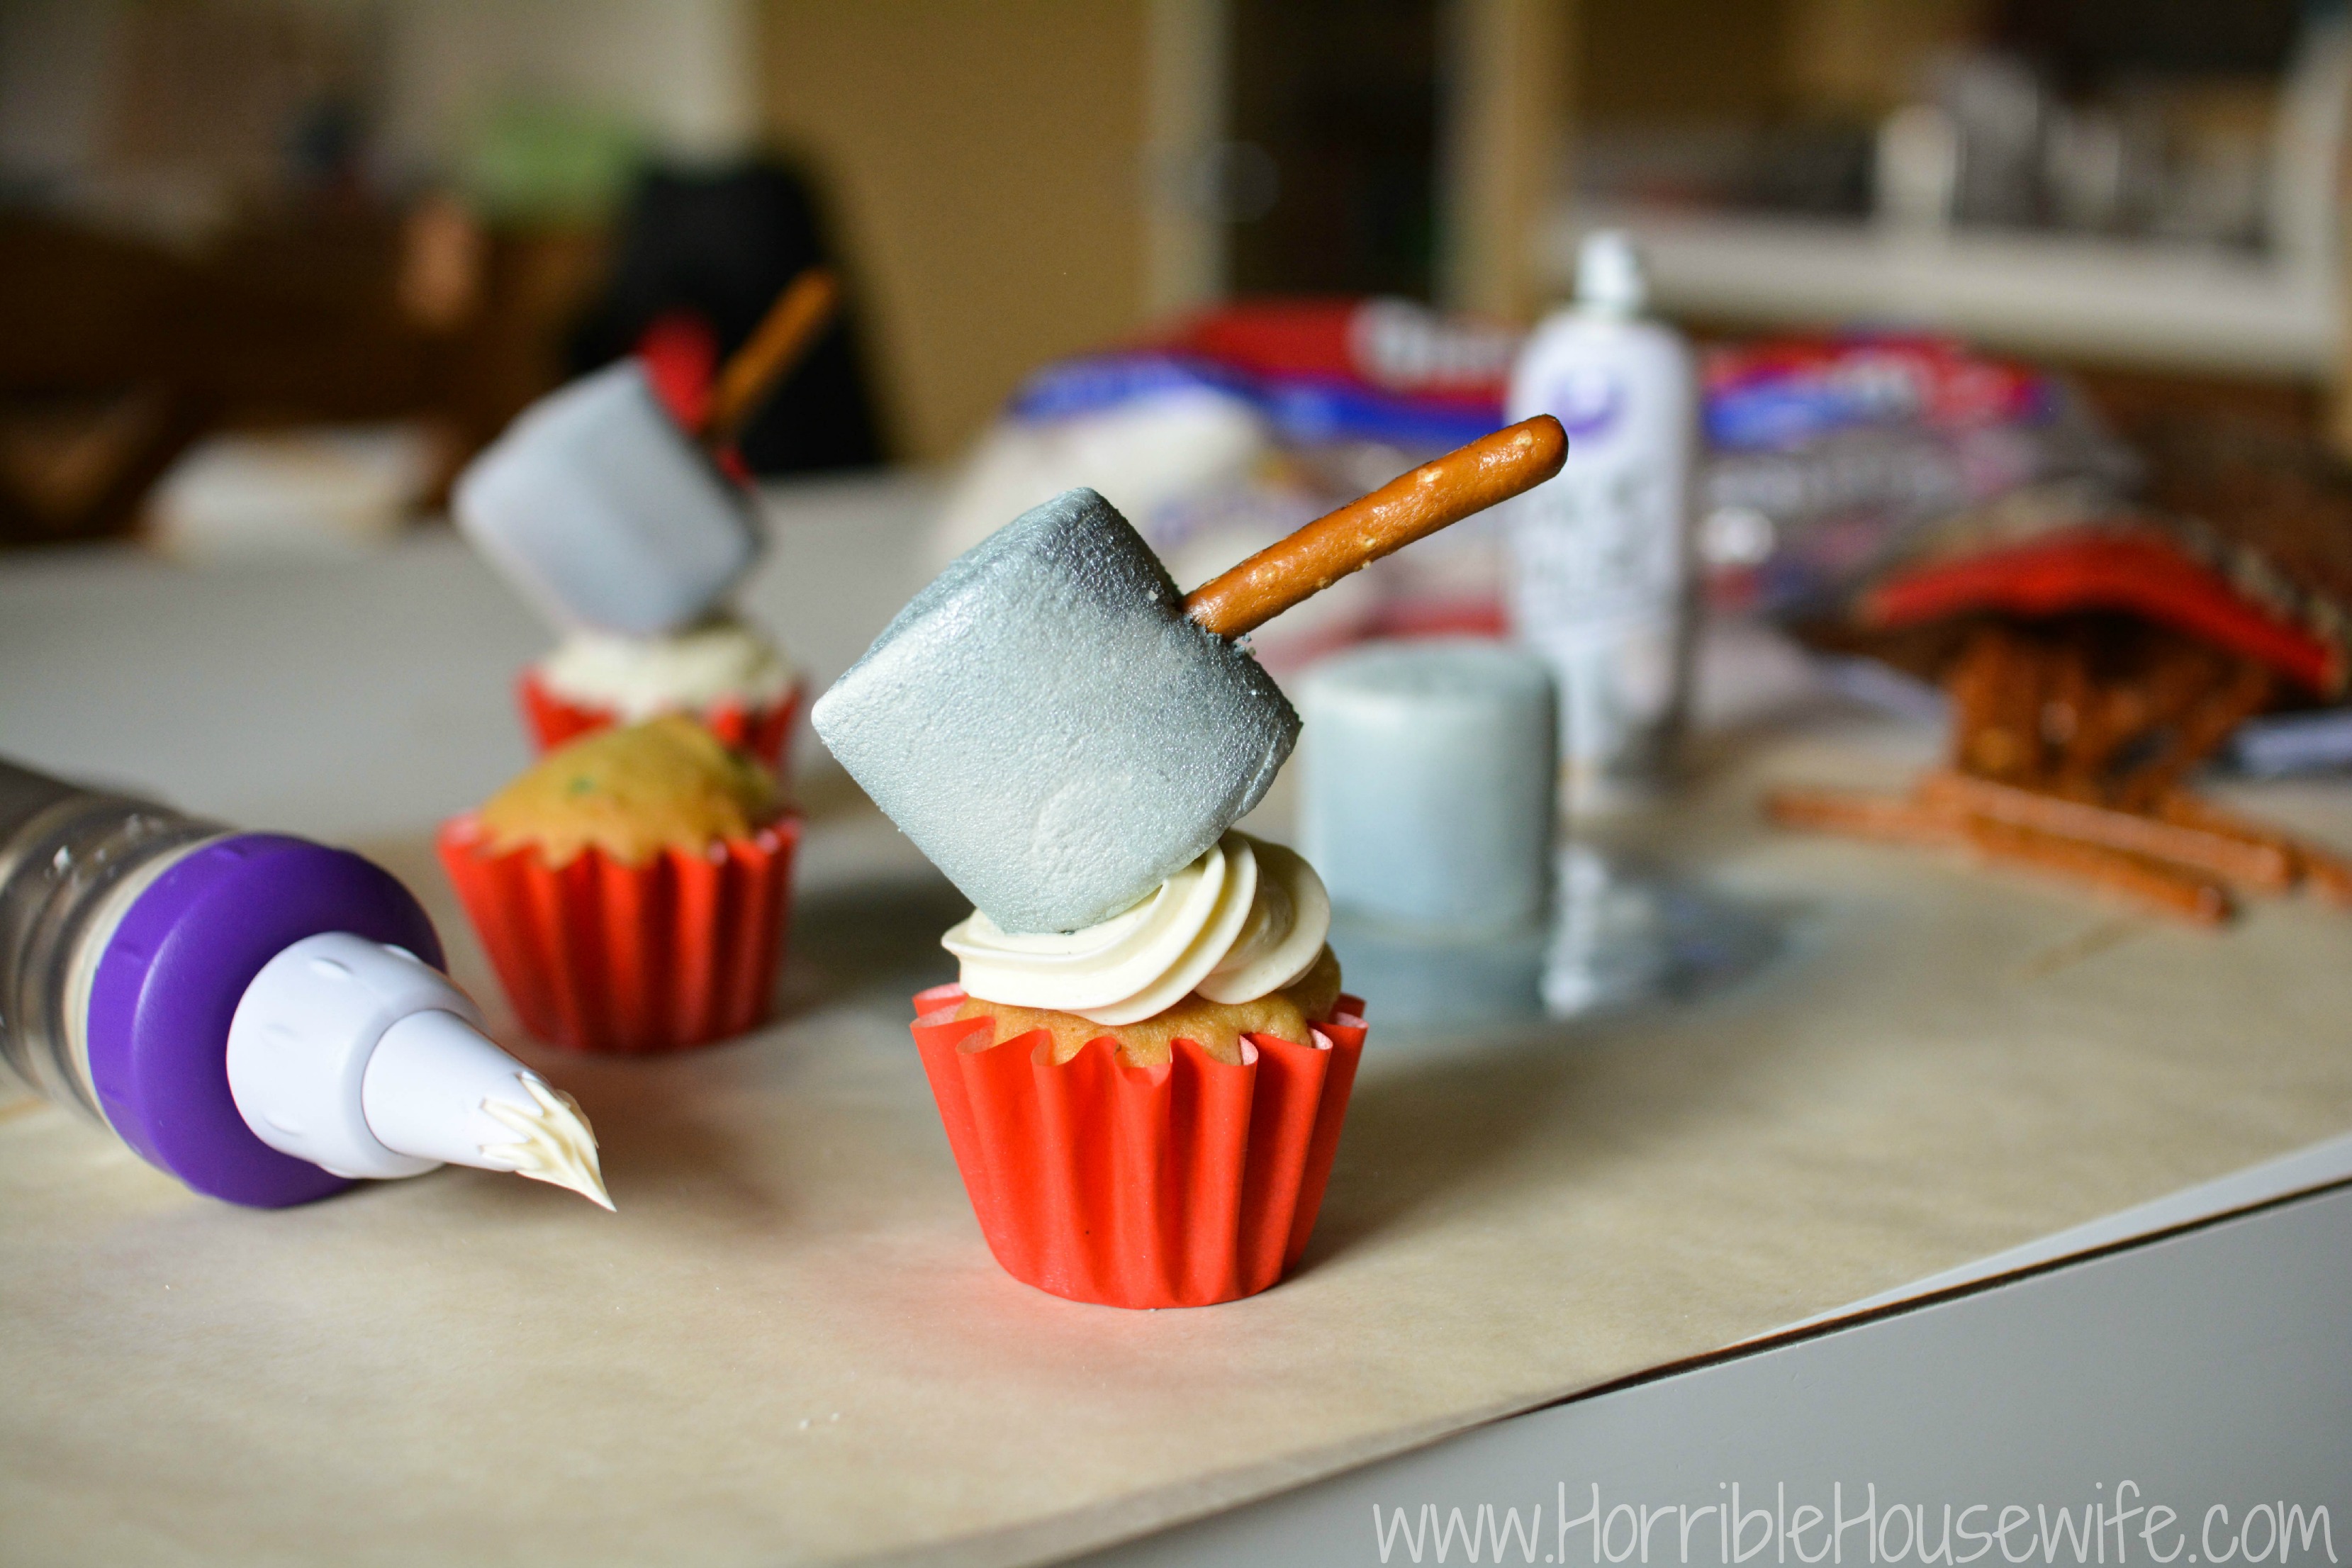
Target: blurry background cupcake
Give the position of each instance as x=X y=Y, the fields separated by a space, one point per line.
x=631 y=888
x=720 y=671
x=620 y=507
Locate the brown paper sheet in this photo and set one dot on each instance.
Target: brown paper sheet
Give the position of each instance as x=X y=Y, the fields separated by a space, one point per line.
x=790 y=1346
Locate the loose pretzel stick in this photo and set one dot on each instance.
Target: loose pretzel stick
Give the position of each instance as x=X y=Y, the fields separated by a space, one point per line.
x=775 y=345
x=1890 y=819
x=1493 y=469
x=2152 y=884
x=2329 y=874
x=2193 y=810
x=2231 y=856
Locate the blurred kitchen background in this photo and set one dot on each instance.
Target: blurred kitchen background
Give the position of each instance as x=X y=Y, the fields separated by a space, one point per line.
x=270 y=269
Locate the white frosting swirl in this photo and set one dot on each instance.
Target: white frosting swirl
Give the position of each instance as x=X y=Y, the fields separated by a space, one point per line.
x=1246 y=919
x=554 y=1142
x=639 y=678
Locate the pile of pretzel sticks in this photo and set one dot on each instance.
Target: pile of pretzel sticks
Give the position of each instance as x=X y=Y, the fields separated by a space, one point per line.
x=2070 y=748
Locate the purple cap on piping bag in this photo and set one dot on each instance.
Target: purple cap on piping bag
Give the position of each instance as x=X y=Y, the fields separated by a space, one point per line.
x=171 y=980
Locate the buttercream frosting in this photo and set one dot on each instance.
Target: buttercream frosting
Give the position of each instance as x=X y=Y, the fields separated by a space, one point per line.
x=553 y=1142
x=1246 y=919
x=719 y=660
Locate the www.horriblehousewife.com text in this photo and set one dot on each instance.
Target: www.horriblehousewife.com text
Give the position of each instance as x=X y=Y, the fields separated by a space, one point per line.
x=2118 y=1525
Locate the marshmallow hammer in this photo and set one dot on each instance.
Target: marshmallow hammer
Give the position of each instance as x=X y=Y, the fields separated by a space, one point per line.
x=604 y=512
x=1060 y=730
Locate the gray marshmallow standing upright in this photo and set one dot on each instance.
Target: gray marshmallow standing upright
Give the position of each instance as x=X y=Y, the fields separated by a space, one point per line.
x=1049 y=727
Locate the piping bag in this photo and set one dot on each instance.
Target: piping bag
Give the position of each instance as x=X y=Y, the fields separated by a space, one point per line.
x=263 y=1017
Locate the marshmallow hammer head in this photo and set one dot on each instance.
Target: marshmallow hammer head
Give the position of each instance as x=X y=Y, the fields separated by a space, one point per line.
x=1049 y=727
x=603 y=513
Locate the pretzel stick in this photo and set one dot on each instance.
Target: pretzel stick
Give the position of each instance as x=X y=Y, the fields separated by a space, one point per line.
x=1493 y=469
x=2068 y=722
x=2232 y=856
x=2025 y=682
x=1971 y=682
x=2193 y=810
x=2329 y=874
x=2119 y=716
x=2154 y=885
x=2199 y=733
x=2183 y=676
x=2106 y=719
x=2133 y=711
x=1889 y=818
x=1999 y=734
x=775 y=345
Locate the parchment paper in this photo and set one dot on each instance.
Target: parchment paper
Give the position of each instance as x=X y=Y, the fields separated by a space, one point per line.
x=791 y=1345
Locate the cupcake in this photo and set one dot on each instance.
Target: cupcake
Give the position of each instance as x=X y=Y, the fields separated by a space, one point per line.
x=630 y=889
x=720 y=671
x=1144 y=1112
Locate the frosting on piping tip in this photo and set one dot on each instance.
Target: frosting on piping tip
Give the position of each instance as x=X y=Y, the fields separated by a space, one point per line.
x=1246 y=919
x=555 y=1143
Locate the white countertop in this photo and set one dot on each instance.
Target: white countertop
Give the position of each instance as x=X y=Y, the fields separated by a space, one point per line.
x=368 y=695
x=790 y=1345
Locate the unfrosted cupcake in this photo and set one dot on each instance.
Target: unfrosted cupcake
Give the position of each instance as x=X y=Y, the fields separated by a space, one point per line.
x=631 y=888
x=721 y=671
x=1145 y=1112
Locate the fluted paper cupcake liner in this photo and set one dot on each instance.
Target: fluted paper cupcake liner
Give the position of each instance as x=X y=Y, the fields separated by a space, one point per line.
x=762 y=729
x=1179 y=1185
x=601 y=956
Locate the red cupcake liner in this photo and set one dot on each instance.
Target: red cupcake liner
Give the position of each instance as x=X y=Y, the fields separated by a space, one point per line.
x=761 y=730
x=601 y=956
x=1179 y=1185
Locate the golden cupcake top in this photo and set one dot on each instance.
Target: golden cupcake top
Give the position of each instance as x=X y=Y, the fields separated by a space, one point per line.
x=1216 y=1027
x=632 y=793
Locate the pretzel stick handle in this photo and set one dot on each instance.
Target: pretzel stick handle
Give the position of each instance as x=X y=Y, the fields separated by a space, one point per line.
x=775 y=345
x=1460 y=484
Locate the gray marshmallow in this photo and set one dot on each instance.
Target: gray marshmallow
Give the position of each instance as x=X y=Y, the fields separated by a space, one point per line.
x=599 y=510
x=1049 y=727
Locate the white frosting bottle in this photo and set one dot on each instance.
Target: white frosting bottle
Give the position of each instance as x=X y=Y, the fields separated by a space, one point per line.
x=260 y=1016
x=1602 y=586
